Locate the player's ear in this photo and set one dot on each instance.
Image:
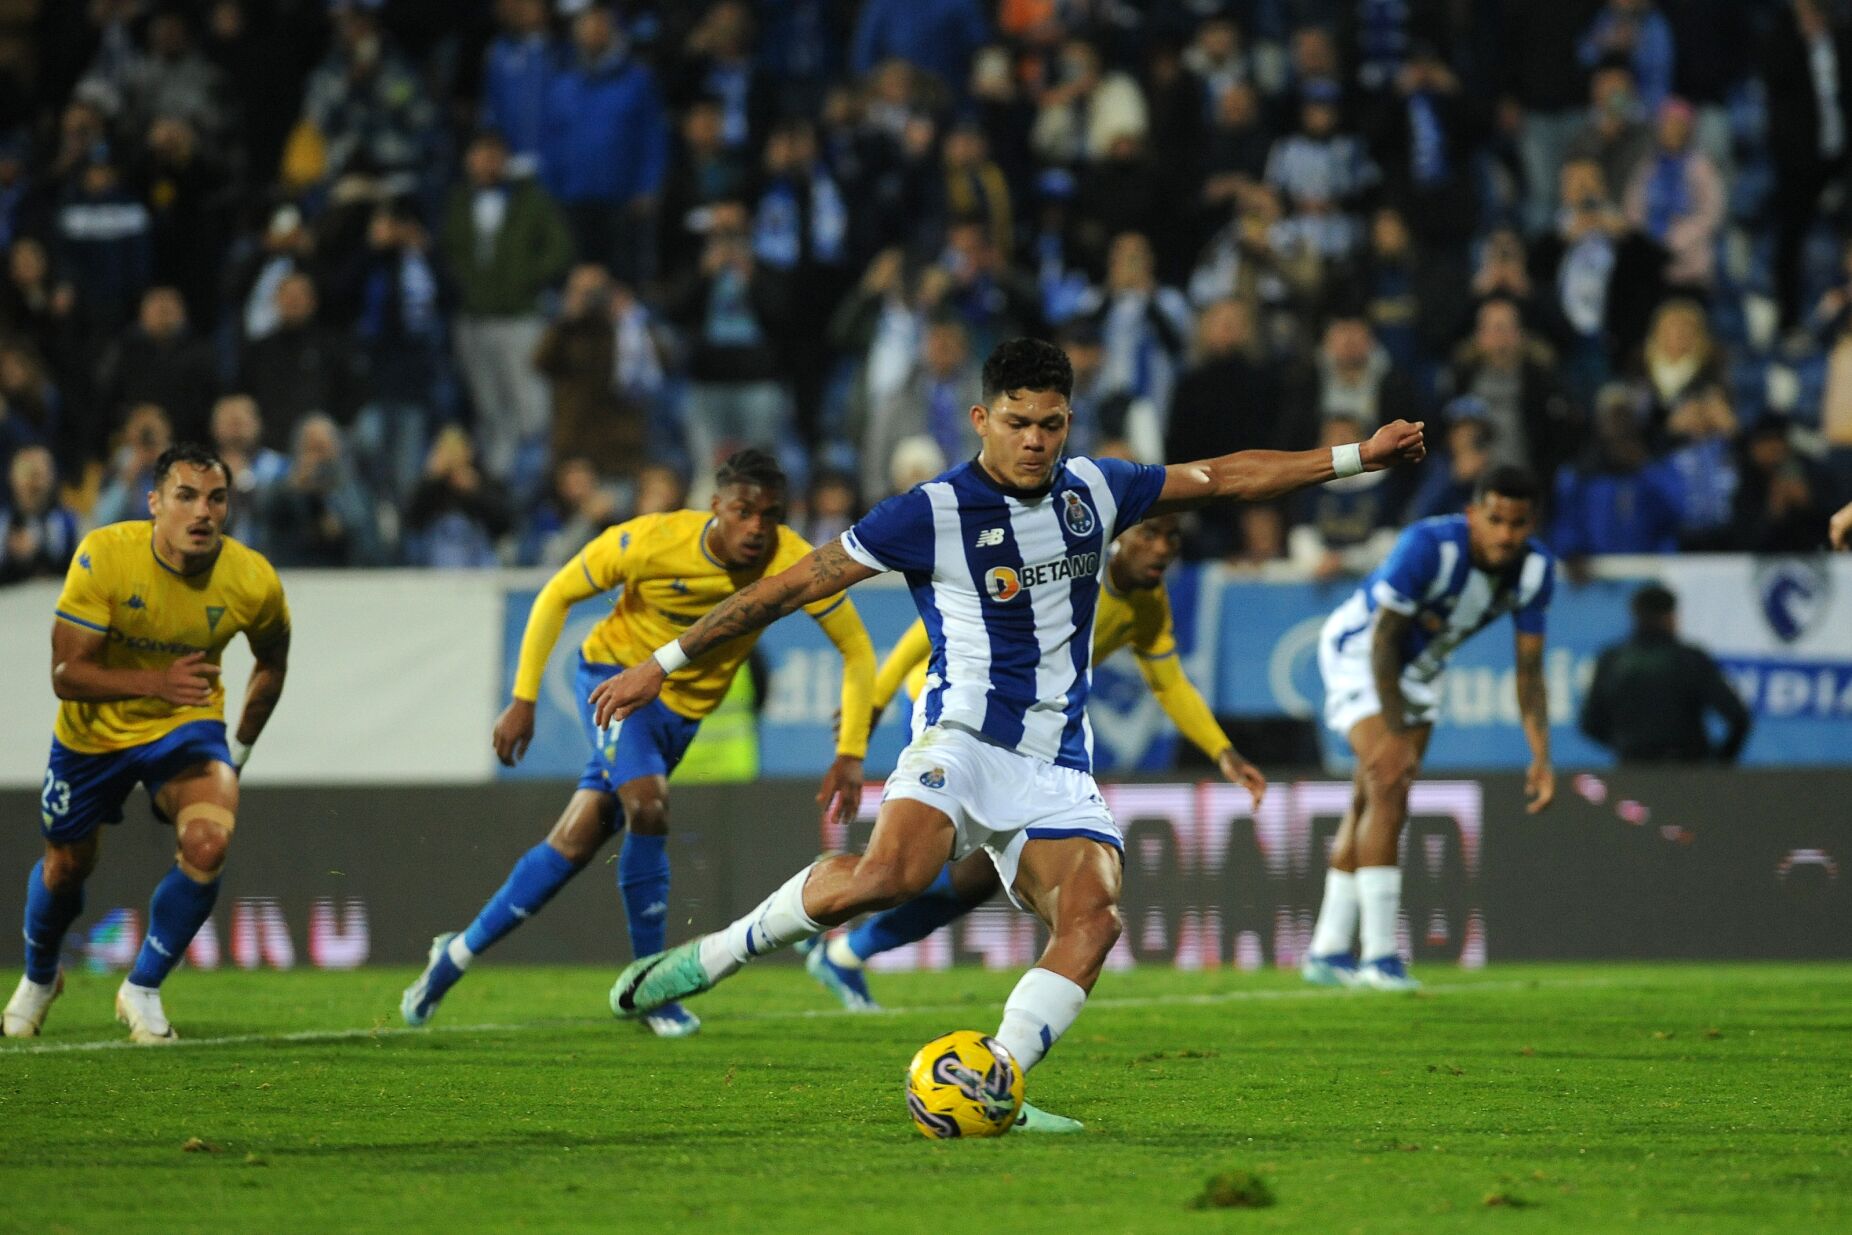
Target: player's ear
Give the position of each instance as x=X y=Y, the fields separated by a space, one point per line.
x=980 y=416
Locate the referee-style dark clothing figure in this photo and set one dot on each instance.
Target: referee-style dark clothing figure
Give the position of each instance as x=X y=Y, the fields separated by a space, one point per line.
x=1651 y=693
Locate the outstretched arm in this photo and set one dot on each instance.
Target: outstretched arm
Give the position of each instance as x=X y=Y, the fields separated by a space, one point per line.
x=1262 y=475
x=822 y=572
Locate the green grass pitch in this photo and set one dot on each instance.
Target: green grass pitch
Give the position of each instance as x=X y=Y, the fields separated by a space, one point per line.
x=1524 y=1098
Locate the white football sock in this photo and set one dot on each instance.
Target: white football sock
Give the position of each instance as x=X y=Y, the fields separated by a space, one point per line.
x=459 y=952
x=1337 y=915
x=1039 y=1011
x=1379 y=897
x=778 y=922
x=841 y=954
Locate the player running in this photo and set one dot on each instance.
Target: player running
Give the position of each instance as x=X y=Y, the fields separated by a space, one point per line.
x=143 y=620
x=673 y=569
x=1004 y=555
x=1381 y=654
x=1134 y=611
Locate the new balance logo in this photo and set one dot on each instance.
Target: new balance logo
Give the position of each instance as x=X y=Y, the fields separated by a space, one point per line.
x=990 y=538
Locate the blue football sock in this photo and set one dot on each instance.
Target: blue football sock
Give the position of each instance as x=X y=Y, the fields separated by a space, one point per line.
x=48 y=915
x=911 y=922
x=542 y=871
x=643 y=878
x=175 y=914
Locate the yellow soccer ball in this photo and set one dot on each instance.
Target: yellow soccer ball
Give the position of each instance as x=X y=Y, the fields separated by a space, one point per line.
x=964 y=1084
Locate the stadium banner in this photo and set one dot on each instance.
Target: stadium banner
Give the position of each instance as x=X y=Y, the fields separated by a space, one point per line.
x=1642 y=865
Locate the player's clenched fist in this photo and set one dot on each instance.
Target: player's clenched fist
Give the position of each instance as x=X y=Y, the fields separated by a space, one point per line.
x=615 y=698
x=1399 y=441
x=187 y=682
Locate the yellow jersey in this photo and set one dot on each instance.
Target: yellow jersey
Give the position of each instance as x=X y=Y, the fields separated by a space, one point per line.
x=150 y=616
x=1139 y=619
x=669 y=582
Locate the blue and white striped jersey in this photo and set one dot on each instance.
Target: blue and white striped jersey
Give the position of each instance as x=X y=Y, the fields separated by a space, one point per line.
x=1006 y=582
x=1430 y=576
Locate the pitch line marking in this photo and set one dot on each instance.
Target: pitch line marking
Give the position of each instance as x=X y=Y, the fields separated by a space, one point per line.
x=796 y=1014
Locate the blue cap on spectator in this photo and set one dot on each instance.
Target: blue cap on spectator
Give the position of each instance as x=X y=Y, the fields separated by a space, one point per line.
x=1320 y=90
x=1056 y=184
x=1466 y=407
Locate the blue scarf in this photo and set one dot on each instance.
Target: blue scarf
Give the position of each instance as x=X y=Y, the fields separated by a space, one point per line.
x=1668 y=198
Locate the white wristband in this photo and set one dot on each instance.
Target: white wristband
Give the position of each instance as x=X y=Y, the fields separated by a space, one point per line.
x=240 y=753
x=1347 y=460
x=670 y=656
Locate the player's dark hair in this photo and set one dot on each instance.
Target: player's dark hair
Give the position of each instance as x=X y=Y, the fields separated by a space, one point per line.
x=1507 y=480
x=195 y=453
x=751 y=466
x=1653 y=604
x=1027 y=364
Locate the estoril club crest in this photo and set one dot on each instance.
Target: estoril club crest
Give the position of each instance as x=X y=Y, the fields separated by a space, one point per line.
x=1794 y=593
x=1078 y=515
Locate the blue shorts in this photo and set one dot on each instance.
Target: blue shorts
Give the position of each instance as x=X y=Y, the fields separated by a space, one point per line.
x=82 y=791
x=649 y=742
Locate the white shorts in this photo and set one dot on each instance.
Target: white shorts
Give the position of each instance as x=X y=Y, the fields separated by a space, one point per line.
x=998 y=800
x=1350 y=685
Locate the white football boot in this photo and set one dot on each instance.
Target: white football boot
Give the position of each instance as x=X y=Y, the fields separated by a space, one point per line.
x=25 y=1011
x=139 y=1007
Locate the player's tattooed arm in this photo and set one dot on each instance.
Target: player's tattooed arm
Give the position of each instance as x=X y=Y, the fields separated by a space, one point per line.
x=821 y=573
x=1534 y=712
x=1262 y=475
x=1386 y=666
x=265 y=687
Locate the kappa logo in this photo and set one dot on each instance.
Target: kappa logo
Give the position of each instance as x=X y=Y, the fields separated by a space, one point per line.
x=989 y=538
x=933 y=778
x=1078 y=515
x=136 y=602
x=83 y=559
x=679 y=588
x=1002 y=583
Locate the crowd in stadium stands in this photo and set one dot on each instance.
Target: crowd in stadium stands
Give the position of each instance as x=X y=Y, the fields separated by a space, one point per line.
x=461 y=282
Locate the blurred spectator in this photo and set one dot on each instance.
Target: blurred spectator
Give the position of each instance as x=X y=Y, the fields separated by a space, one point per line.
x=916 y=460
x=1714 y=42
x=1448 y=478
x=731 y=309
x=1530 y=421
x=1344 y=527
x=994 y=299
x=801 y=220
x=1677 y=198
x=457 y=513
x=1227 y=401
x=286 y=247
x=703 y=171
x=172 y=78
x=1543 y=97
x=1504 y=272
x=1615 y=133
x=1145 y=329
x=400 y=331
x=1617 y=499
x=160 y=361
x=146 y=432
x=104 y=243
x=1087 y=109
x=1351 y=377
x=1099 y=411
x=1322 y=174
x=188 y=191
x=504 y=243
x=1700 y=433
x=579 y=507
x=237 y=434
x=975 y=187
x=1652 y=694
x=264 y=51
x=718 y=64
x=1217 y=58
x=660 y=488
x=40 y=531
x=1807 y=74
x=1234 y=150
x=607 y=147
x=364 y=110
x=29 y=406
x=33 y=305
x=1602 y=279
x=830 y=507
x=318 y=515
x=599 y=360
x=300 y=367
x=1634 y=32
x=517 y=72
x=1424 y=137
x=1259 y=261
x=1678 y=359
x=935 y=401
x=1387 y=284
x=938 y=36
x=1785 y=497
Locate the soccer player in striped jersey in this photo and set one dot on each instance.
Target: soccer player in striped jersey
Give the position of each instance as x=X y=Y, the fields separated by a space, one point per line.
x=1005 y=556
x=1381 y=654
x=147 y=610
x=672 y=568
x=1134 y=612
